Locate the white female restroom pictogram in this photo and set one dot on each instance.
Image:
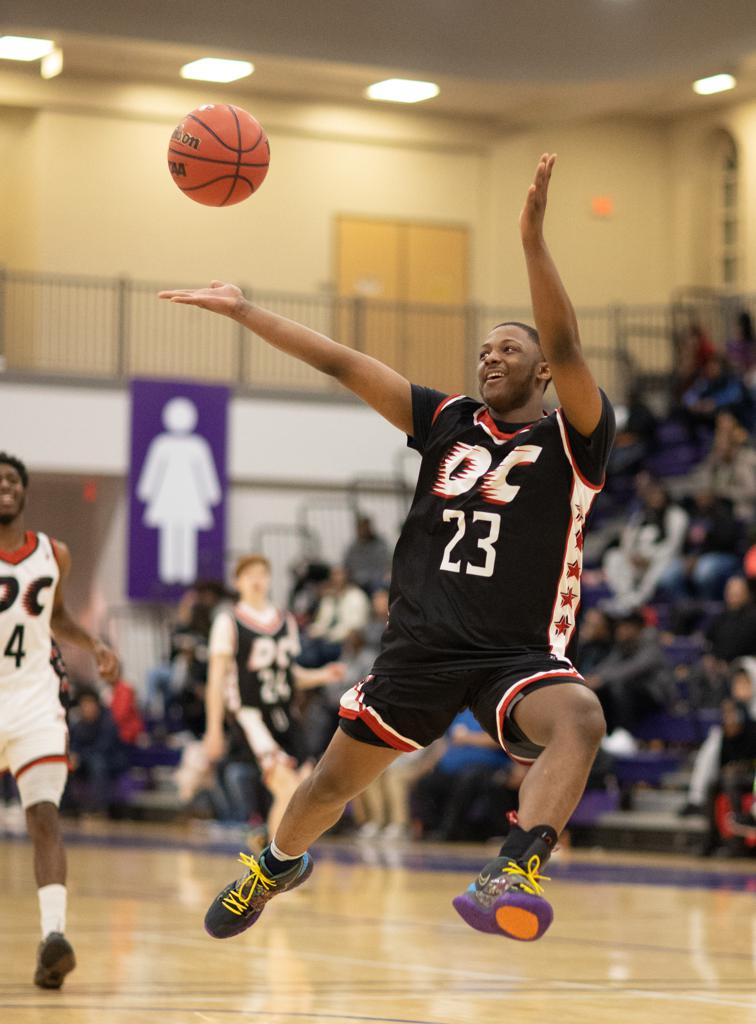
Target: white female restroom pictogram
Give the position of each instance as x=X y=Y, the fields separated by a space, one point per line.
x=179 y=485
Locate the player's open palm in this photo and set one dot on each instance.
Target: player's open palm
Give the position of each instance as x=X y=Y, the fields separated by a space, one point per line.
x=534 y=210
x=218 y=298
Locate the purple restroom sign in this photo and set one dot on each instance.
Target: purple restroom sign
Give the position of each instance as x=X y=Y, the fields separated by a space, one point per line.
x=177 y=487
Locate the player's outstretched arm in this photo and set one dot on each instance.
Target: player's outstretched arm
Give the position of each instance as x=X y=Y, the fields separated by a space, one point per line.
x=66 y=628
x=372 y=381
x=555 y=318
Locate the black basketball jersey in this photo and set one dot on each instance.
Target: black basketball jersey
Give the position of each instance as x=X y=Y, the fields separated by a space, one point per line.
x=490 y=557
x=264 y=678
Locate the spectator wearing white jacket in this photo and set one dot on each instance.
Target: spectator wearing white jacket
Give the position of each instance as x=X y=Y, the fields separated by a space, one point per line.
x=652 y=538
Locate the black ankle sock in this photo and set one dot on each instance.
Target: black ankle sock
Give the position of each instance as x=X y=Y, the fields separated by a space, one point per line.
x=274 y=866
x=521 y=845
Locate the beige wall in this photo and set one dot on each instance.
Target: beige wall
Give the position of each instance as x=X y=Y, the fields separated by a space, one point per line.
x=92 y=193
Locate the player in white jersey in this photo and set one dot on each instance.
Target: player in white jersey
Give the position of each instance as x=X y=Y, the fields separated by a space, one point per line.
x=33 y=733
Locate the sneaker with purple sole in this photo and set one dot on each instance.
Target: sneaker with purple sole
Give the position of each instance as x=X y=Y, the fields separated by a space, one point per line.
x=507 y=899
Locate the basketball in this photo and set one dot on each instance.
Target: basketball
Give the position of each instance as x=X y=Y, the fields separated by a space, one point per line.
x=218 y=155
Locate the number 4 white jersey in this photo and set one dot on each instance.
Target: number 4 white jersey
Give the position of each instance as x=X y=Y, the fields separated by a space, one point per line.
x=28 y=578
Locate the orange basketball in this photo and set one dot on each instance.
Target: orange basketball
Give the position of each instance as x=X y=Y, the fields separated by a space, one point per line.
x=218 y=155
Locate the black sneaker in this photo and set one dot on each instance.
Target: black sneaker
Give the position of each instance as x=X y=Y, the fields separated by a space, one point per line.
x=238 y=906
x=55 y=959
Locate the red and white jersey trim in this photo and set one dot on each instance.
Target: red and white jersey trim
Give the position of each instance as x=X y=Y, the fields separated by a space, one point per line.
x=353 y=706
x=445 y=405
x=504 y=704
x=566 y=604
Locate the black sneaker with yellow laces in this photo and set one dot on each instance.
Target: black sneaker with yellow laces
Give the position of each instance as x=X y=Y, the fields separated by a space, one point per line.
x=239 y=905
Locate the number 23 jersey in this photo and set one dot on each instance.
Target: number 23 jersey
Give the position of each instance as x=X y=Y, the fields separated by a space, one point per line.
x=490 y=557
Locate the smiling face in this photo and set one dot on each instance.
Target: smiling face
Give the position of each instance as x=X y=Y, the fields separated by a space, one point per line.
x=511 y=369
x=12 y=494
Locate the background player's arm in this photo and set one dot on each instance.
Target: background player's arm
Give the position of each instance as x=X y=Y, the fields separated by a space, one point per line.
x=554 y=314
x=65 y=628
x=375 y=383
x=217 y=670
x=309 y=678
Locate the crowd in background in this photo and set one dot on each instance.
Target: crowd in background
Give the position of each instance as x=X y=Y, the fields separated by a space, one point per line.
x=668 y=629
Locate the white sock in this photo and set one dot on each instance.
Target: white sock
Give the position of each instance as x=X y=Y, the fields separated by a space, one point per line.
x=52 y=908
x=280 y=855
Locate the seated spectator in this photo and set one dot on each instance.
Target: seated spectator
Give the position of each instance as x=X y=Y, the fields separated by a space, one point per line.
x=652 y=538
x=376 y=624
x=708 y=758
x=741 y=348
x=636 y=434
x=443 y=797
x=732 y=634
x=343 y=608
x=634 y=679
x=729 y=470
x=306 y=590
x=694 y=349
x=187 y=661
x=715 y=390
x=367 y=560
x=96 y=754
x=710 y=553
x=735 y=779
x=596 y=639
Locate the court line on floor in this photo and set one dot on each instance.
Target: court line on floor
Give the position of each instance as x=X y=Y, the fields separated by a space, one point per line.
x=109 y=1008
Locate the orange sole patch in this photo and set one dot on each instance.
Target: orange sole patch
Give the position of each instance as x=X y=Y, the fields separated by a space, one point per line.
x=519 y=923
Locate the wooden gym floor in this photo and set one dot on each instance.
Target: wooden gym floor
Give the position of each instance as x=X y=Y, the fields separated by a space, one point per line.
x=372 y=939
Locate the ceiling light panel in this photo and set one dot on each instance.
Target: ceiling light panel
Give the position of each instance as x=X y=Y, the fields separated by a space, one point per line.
x=402 y=90
x=714 y=84
x=213 y=69
x=24 y=48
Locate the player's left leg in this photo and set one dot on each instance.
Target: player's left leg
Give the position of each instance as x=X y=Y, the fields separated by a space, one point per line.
x=345 y=770
x=39 y=762
x=557 y=728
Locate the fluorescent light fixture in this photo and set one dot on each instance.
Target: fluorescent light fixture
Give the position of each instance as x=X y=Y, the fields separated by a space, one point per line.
x=24 y=48
x=715 y=83
x=403 y=90
x=52 y=63
x=214 y=69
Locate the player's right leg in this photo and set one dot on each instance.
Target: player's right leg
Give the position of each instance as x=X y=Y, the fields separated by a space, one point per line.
x=39 y=763
x=345 y=770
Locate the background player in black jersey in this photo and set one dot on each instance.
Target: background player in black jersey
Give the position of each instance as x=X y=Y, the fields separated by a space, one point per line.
x=253 y=673
x=485 y=588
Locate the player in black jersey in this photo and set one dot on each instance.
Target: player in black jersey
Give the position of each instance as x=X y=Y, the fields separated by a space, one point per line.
x=485 y=590
x=253 y=673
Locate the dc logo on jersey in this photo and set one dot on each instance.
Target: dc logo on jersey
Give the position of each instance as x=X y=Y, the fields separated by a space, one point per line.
x=10 y=589
x=466 y=464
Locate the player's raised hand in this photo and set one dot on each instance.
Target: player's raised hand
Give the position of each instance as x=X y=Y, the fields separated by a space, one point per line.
x=222 y=298
x=534 y=210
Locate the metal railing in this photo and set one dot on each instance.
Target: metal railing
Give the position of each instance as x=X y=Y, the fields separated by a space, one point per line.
x=111 y=329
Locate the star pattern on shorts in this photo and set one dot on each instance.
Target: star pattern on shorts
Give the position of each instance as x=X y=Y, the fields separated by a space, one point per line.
x=567 y=596
x=579 y=540
x=573 y=570
x=579 y=513
x=562 y=625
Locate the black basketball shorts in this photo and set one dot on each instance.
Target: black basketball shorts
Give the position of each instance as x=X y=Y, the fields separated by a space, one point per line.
x=408 y=712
